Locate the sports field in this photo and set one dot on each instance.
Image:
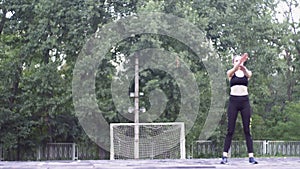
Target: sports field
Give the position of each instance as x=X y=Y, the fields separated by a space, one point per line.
x=236 y=163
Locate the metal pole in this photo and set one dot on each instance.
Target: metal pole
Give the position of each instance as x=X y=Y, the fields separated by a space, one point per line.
x=136 y=108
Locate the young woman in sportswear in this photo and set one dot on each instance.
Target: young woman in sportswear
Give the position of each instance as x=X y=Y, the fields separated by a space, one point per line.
x=238 y=76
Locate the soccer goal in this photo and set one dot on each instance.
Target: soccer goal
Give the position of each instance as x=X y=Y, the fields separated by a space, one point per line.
x=147 y=141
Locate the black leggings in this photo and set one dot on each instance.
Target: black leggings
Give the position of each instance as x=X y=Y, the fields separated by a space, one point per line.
x=236 y=104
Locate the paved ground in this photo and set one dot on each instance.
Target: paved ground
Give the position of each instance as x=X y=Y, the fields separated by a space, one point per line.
x=235 y=163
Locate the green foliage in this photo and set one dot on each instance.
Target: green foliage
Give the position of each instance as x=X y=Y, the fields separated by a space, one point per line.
x=288 y=124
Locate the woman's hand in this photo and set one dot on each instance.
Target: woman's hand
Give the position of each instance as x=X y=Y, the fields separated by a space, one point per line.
x=244 y=58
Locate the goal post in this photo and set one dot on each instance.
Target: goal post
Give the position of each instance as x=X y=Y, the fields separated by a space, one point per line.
x=155 y=140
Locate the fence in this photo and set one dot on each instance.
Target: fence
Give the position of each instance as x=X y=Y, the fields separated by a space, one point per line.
x=54 y=151
x=238 y=148
x=291 y=148
x=58 y=151
x=204 y=148
x=199 y=149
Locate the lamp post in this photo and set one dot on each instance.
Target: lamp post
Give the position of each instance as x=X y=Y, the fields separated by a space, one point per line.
x=136 y=107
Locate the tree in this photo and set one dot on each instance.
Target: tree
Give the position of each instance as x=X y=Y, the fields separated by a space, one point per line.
x=41 y=40
x=287 y=127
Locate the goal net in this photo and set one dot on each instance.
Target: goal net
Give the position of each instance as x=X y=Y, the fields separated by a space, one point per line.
x=147 y=141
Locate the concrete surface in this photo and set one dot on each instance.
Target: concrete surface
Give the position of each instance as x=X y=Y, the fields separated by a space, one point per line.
x=235 y=163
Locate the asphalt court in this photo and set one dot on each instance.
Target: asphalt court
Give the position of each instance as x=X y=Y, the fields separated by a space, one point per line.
x=235 y=163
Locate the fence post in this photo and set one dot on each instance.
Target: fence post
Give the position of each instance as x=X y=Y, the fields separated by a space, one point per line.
x=191 y=155
x=39 y=153
x=1 y=153
x=229 y=152
x=74 y=152
x=265 y=144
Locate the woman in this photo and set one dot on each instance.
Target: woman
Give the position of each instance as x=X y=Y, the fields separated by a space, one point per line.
x=238 y=102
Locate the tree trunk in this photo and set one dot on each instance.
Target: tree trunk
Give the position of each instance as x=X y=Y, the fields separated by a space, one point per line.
x=3 y=19
x=289 y=75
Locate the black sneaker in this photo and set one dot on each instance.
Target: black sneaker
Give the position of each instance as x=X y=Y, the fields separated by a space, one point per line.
x=224 y=160
x=252 y=161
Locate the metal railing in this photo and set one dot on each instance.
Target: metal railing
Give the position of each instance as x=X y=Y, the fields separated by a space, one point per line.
x=58 y=151
x=206 y=148
x=286 y=148
x=54 y=151
x=199 y=149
